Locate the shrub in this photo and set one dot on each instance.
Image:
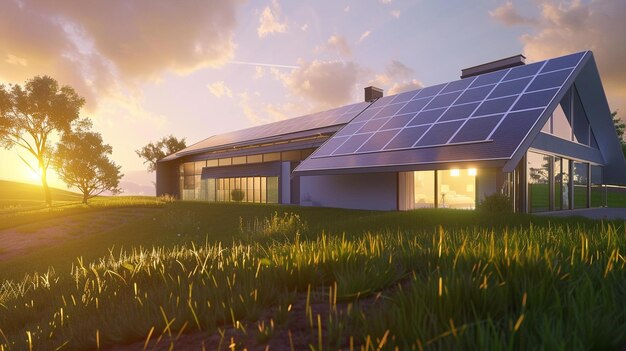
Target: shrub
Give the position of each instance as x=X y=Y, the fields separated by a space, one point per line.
x=496 y=203
x=286 y=225
x=237 y=195
x=167 y=198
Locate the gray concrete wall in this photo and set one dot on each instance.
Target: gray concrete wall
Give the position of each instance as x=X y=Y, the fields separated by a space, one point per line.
x=371 y=191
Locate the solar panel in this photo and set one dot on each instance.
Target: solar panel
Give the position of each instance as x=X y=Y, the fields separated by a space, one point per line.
x=334 y=117
x=471 y=110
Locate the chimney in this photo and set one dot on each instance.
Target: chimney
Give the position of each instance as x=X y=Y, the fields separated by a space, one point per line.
x=508 y=62
x=373 y=93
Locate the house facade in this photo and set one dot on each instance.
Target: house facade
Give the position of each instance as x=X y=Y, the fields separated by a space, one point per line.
x=541 y=133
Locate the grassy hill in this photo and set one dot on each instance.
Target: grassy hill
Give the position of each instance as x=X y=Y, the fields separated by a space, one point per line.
x=198 y=275
x=17 y=194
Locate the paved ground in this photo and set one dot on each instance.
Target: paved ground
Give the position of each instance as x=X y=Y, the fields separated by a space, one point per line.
x=595 y=213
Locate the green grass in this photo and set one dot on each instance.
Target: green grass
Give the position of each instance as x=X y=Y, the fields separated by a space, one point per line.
x=16 y=195
x=431 y=279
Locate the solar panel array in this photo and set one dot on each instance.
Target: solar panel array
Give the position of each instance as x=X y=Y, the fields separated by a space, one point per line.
x=338 y=116
x=466 y=111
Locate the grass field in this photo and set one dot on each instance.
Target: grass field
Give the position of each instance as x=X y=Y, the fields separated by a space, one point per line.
x=16 y=195
x=244 y=275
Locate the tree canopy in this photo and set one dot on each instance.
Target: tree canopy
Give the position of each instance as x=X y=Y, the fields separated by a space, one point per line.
x=31 y=115
x=82 y=161
x=153 y=152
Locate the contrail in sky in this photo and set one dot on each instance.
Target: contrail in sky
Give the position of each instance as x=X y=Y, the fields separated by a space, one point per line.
x=262 y=64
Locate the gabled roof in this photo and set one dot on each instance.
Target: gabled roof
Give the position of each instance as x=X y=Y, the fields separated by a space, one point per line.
x=492 y=117
x=300 y=127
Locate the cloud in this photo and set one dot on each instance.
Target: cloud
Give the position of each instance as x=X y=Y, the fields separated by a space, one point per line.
x=79 y=45
x=508 y=15
x=401 y=87
x=259 y=72
x=566 y=27
x=346 y=9
x=395 y=13
x=219 y=89
x=259 y=112
x=269 y=21
x=364 y=36
x=386 y=2
x=338 y=44
x=324 y=83
x=304 y=27
x=397 y=78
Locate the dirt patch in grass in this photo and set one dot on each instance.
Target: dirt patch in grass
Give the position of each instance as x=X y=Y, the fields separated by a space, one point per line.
x=18 y=240
x=294 y=329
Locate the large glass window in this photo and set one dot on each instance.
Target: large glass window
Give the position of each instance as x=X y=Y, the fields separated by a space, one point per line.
x=581 y=182
x=561 y=126
x=538 y=170
x=561 y=183
x=457 y=188
x=597 y=187
x=424 y=189
x=272 y=190
x=581 y=124
x=242 y=189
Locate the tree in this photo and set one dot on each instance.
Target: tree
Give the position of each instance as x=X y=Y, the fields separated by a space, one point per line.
x=82 y=161
x=620 y=127
x=32 y=115
x=153 y=152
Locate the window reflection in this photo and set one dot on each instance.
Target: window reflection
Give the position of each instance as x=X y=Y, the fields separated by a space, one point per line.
x=457 y=188
x=538 y=168
x=581 y=180
x=424 y=189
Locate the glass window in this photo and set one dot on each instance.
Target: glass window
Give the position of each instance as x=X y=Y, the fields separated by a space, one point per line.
x=198 y=166
x=580 y=181
x=189 y=168
x=561 y=126
x=424 y=189
x=200 y=188
x=254 y=159
x=290 y=155
x=257 y=189
x=211 y=195
x=274 y=156
x=249 y=189
x=457 y=188
x=597 y=187
x=220 y=189
x=189 y=182
x=561 y=184
x=263 y=190
x=239 y=160
x=231 y=187
x=212 y=163
x=547 y=128
x=272 y=190
x=581 y=124
x=224 y=161
x=538 y=168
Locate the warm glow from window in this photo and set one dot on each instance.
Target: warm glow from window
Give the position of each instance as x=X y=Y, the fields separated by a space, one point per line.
x=471 y=172
x=455 y=172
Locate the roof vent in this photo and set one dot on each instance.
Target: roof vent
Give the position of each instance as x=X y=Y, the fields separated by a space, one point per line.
x=373 y=93
x=504 y=63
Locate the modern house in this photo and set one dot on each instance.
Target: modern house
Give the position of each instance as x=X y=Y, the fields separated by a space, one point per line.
x=541 y=133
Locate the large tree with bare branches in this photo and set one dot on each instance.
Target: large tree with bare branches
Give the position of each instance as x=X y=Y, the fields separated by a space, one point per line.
x=32 y=115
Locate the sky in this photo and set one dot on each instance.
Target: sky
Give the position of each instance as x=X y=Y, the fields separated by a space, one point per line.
x=192 y=69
